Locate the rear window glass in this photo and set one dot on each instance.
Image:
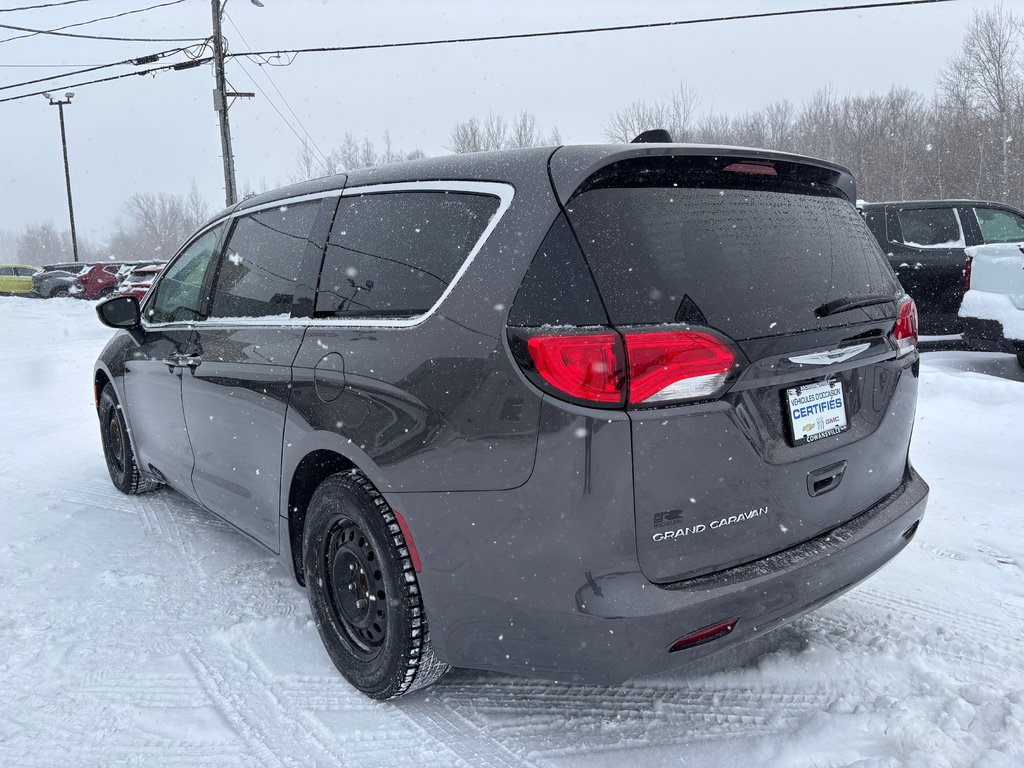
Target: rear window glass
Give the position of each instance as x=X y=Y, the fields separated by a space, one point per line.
x=1000 y=226
x=393 y=254
x=749 y=261
x=931 y=227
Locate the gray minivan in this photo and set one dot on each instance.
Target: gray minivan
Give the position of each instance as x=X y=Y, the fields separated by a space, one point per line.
x=582 y=412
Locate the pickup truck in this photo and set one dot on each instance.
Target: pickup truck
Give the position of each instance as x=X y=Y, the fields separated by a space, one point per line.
x=926 y=242
x=993 y=305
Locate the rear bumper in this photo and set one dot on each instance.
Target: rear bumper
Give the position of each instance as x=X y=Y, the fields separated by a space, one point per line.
x=618 y=626
x=987 y=336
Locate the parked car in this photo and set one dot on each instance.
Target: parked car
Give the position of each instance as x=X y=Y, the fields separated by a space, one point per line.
x=16 y=279
x=926 y=242
x=993 y=306
x=56 y=280
x=137 y=281
x=583 y=413
x=97 y=281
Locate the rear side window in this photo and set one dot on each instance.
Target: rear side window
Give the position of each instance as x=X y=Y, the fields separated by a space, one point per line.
x=393 y=254
x=998 y=226
x=260 y=266
x=752 y=257
x=931 y=227
x=6 y=271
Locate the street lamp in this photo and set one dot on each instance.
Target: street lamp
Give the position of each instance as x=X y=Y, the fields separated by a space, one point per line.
x=59 y=103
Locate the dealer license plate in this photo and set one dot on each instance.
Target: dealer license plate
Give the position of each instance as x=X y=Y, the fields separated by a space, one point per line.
x=816 y=411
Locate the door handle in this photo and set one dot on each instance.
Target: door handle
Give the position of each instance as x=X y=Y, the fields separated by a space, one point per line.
x=182 y=361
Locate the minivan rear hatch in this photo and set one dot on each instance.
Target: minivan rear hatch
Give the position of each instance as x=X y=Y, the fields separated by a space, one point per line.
x=814 y=424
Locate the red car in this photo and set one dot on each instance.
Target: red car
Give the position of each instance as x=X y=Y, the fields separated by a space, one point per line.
x=102 y=279
x=138 y=281
x=98 y=281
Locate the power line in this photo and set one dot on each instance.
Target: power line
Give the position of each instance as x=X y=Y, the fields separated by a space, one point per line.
x=150 y=71
x=653 y=25
x=43 y=5
x=49 y=66
x=590 y=30
x=92 y=21
x=323 y=158
x=151 y=58
x=106 y=37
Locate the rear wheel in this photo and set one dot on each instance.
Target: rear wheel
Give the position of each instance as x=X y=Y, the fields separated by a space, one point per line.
x=59 y=293
x=117 y=449
x=363 y=590
x=1020 y=359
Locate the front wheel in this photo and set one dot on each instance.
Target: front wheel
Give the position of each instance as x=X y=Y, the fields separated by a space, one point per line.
x=117 y=449
x=363 y=590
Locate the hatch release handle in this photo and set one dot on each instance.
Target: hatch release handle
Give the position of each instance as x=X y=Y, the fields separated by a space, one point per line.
x=823 y=480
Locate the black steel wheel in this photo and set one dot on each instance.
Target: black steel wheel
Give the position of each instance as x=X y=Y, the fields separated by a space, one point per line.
x=363 y=590
x=117 y=448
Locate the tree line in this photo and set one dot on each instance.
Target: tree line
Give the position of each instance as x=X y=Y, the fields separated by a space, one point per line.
x=960 y=141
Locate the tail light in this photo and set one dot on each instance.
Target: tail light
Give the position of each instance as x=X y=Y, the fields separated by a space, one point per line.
x=587 y=367
x=905 y=331
x=967 y=273
x=609 y=370
x=685 y=365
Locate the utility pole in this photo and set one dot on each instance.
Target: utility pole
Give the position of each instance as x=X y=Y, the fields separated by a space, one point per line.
x=67 y=170
x=220 y=105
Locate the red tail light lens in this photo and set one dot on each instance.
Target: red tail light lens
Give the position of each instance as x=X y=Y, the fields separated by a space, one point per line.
x=763 y=168
x=967 y=273
x=905 y=331
x=585 y=367
x=682 y=365
x=606 y=369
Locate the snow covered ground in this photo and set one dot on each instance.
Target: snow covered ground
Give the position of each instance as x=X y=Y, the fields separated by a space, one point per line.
x=144 y=631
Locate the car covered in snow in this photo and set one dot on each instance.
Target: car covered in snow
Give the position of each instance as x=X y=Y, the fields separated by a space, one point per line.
x=993 y=305
x=138 y=280
x=56 y=280
x=583 y=412
x=926 y=242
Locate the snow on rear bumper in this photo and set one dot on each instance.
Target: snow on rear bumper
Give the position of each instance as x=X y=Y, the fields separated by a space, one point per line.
x=999 y=308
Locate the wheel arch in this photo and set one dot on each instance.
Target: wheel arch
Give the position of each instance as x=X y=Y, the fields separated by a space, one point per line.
x=317 y=464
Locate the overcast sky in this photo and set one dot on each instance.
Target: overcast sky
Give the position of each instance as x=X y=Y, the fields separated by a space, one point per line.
x=158 y=133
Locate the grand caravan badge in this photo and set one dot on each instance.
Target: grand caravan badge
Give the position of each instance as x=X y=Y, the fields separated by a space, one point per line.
x=699 y=528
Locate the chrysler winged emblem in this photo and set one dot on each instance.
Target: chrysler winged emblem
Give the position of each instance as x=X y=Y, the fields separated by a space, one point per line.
x=832 y=356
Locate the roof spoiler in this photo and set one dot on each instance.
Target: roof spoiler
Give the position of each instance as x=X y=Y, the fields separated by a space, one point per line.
x=653 y=136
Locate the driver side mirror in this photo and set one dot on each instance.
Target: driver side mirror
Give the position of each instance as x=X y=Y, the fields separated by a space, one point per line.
x=121 y=312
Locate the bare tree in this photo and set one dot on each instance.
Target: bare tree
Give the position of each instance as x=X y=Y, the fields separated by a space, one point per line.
x=524 y=131
x=631 y=121
x=157 y=224
x=466 y=136
x=986 y=78
x=494 y=132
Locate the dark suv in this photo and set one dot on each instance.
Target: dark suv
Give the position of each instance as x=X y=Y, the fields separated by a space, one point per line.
x=926 y=243
x=582 y=413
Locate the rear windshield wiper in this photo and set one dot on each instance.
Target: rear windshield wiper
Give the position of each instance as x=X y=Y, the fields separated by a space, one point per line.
x=853 y=302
